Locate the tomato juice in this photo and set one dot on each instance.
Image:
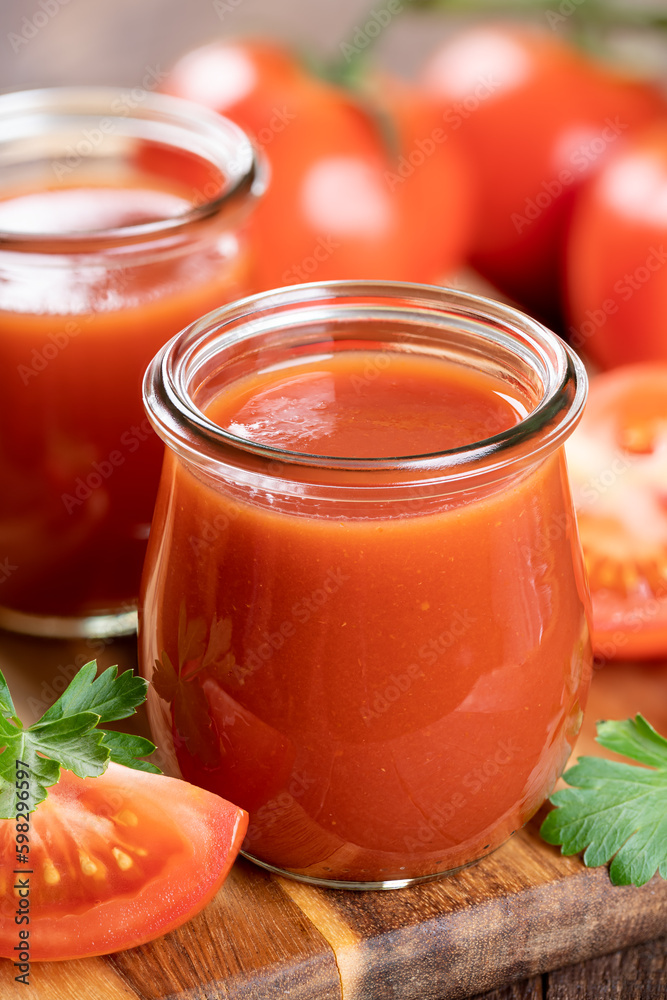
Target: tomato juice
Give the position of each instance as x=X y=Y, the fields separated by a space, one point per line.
x=390 y=687
x=78 y=459
x=103 y=257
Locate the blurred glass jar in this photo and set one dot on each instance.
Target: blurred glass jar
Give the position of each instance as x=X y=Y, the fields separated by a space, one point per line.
x=120 y=223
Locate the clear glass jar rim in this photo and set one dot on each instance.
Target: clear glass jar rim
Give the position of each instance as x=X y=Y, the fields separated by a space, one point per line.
x=227 y=145
x=184 y=426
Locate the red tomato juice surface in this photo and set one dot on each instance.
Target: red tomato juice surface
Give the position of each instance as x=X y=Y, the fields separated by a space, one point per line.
x=79 y=462
x=390 y=693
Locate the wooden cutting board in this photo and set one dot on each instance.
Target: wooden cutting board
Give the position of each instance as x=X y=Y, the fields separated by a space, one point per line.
x=522 y=911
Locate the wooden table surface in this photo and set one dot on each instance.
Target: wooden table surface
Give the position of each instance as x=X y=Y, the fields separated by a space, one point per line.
x=524 y=911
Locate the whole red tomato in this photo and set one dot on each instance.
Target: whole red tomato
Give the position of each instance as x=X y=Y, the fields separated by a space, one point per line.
x=617 y=256
x=538 y=118
x=354 y=192
x=246 y=81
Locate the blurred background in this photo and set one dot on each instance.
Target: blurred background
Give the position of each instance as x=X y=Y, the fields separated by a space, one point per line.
x=51 y=42
x=112 y=41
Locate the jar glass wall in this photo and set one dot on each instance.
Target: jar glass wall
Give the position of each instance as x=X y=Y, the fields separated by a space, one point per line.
x=121 y=221
x=384 y=659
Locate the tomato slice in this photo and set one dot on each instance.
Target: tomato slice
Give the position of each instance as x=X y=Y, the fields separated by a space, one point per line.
x=618 y=467
x=116 y=861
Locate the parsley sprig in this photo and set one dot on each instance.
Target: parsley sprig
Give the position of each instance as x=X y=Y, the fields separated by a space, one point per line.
x=67 y=735
x=616 y=810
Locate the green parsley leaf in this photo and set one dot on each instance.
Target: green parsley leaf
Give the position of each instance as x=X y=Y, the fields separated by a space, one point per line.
x=43 y=774
x=7 y=709
x=615 y=810
x=127 y=749
x=67 y=734
x=109 y=696
x=72 y=741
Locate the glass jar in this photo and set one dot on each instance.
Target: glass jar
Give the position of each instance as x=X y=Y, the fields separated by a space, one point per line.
x=121 y=221
x=384 y=659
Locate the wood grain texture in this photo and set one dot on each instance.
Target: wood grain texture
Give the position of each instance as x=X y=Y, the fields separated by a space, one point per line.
x=65 y=981
x=523 y=911
x=529 y=989
x=251 y=941
x=638 y=973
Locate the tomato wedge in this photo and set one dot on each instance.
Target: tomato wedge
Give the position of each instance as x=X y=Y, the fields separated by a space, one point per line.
x=618 y=467
x=116 y=861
